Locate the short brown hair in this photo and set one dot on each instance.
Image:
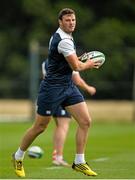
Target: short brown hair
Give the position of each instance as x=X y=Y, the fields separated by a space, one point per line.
x=64 y=12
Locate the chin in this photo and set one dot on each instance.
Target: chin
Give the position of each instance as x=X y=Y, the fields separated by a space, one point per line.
x=72 y=30
x=69 y=32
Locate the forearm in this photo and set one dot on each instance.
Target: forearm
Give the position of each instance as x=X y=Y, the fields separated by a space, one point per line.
x=82 y=66
x=77 y=65
x=82 y=84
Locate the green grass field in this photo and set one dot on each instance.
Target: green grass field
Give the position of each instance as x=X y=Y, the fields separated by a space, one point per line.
x=110 y=152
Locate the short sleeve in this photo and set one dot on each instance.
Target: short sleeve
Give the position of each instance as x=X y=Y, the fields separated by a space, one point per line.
x=66 y=47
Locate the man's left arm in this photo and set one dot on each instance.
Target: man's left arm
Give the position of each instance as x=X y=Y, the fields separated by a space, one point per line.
x=77 y=79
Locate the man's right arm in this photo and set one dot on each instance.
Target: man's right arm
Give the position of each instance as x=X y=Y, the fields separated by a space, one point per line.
x=66 y=47
x=77 y=65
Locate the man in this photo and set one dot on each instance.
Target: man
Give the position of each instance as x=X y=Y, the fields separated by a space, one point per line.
x=62 y=118
x=58 y=89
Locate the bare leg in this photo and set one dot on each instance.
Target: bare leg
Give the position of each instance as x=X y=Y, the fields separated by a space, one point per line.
x=60 y=134
x=80 y=113
x=62 y=126
x=38 y=127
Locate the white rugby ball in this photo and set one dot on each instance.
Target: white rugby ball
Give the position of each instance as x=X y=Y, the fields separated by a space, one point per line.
x=94 y=56
x=35 y=152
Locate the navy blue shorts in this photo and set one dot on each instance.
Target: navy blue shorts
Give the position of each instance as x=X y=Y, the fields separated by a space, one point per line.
x=50 y=97
x=61 y=112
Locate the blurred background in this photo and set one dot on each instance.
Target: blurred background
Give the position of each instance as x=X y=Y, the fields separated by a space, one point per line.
x=106 y=26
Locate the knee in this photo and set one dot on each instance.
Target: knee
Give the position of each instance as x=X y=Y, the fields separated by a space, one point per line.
x=40 y=128
x=86 y=123
x=40 y=124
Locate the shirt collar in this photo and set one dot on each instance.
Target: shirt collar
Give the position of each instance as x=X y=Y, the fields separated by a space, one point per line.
x=64 y=34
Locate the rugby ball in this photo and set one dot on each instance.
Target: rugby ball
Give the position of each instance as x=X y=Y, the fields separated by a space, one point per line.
x=94 y=56
x=35 y=152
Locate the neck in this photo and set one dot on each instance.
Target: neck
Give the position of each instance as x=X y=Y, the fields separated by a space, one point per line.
x=70 y=33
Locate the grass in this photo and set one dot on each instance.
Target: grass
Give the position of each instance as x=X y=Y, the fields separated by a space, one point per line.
x=110 y=152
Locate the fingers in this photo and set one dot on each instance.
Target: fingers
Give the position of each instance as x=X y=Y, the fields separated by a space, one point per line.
x=97 y=64
x=92 y=91
x=93 y=64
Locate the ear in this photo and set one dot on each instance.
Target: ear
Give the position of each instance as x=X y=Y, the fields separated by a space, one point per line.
x=60 y=22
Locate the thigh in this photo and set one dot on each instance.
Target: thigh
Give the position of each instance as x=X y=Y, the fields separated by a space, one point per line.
x=63 y=121
x=80 y=112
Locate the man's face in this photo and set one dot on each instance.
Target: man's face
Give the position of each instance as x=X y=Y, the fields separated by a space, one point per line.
x=68 y=23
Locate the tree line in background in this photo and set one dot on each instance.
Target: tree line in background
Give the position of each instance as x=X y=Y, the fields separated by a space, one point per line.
x=106 y=26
